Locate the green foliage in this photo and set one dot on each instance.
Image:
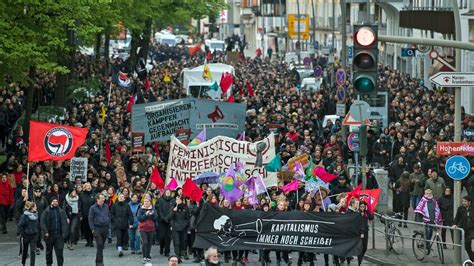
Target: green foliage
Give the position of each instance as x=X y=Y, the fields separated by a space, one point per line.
x=35 y=33
x=81 y=89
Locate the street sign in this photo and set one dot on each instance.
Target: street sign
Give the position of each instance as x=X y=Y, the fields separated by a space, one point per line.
x=457 y=167
x=433 y=54
x=468 y=132
x=340 y=109
x=341 y=95
x=360 y=110
x=453 y=79
x=350 y=121
x=298 y=25
x=318 y=71
x=353 y=141
x=350 y=51
x=307 y=61
x=408 y=52
x=455 y=148
x=341 y=77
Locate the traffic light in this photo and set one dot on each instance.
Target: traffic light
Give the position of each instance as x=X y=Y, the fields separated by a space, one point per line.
x=364 y=64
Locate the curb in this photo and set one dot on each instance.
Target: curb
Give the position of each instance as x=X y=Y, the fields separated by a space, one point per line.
x=378 y=261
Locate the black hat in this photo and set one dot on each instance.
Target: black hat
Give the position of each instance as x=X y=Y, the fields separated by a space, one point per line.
x=468 y=198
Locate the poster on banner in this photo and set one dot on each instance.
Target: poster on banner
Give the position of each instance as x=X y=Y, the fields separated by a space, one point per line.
x=160 y=120
x=78 y=168
x=328 y=233
x=217 y=154
x=138 y=141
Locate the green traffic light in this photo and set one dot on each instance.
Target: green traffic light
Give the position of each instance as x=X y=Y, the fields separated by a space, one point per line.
x=364 y=85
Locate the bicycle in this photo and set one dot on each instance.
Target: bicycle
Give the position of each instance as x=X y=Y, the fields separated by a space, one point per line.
x=419 y=242
x=393 y=234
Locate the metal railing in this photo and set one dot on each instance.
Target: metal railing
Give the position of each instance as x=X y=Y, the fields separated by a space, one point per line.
x=388 y=232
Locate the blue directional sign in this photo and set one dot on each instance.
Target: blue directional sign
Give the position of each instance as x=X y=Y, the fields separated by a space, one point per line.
x=457 y=167
x=350 y=51
x=408 y=52
x=341 y=77
x=318 y=71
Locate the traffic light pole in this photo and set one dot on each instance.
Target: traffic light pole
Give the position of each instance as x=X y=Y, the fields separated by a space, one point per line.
x=343 y=35
x=298 y=49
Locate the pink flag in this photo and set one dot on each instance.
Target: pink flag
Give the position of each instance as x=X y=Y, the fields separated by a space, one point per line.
x=172 y=185
x=323 y=175
x=290 y=186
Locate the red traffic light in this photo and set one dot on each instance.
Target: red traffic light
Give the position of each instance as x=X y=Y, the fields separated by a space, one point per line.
x=365 y=37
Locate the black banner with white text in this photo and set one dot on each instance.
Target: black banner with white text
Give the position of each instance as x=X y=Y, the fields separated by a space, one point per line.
x=329 y=233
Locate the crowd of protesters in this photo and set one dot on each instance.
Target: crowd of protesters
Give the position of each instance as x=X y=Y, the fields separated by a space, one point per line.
x=117 y=200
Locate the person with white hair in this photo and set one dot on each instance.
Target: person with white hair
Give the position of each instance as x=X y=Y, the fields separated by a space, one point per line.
x=211 y=257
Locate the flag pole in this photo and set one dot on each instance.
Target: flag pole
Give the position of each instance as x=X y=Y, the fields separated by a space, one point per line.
x=322 y=200
x=27 y=178
x=110 y=91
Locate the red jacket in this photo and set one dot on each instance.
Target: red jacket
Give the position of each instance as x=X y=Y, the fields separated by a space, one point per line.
x=6 y=194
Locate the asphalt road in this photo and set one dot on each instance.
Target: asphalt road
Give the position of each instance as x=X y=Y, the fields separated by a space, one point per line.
x=85 y=256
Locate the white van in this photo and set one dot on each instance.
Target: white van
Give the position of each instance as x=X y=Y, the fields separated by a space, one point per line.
x=166 y=38
x=215 y=44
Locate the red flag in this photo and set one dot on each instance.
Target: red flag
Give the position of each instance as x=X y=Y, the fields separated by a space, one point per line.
x=250 y=90
x=108 y=153
x=54 y=142
x=231 y=98
x=193 y=50
x=290 y=186
x=191 y=190
x=226 y=82
x=371 y=197
x=323 y=175
x=147 y=85
x=131 y=102
x=353 y=193
x=156 y=179
x=157 y=149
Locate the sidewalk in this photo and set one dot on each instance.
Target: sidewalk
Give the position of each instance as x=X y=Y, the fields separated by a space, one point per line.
x=379 y=255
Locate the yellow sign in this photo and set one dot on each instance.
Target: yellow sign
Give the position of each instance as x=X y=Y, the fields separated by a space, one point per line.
x=298 y=25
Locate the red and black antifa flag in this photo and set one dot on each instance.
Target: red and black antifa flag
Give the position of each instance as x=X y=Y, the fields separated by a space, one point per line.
x=329 y=233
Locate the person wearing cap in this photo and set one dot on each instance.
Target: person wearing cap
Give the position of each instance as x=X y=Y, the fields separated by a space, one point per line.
x=41 y=205
x=465 y=220
x=341 y=187
x=55 y=228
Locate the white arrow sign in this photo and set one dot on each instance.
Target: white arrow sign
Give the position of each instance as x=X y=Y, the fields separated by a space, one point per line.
x=453 y=79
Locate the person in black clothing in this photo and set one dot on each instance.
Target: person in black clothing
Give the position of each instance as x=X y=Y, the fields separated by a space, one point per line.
x=18 y=211
x=28 y=228
x=446 y=207
x=465 y=219
x=86 y=200
x=55 y=228
x=41 y=205
x=179 y=220
x=367 y=216
x=99 y=221
x=341 y=187
x=122 y=219
x=164 y=206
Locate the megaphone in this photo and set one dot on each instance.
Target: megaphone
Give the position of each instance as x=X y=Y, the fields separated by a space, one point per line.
x=216 y=115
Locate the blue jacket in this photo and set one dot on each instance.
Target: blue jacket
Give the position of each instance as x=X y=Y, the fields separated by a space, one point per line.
x=135 y=208
x=99 y=217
